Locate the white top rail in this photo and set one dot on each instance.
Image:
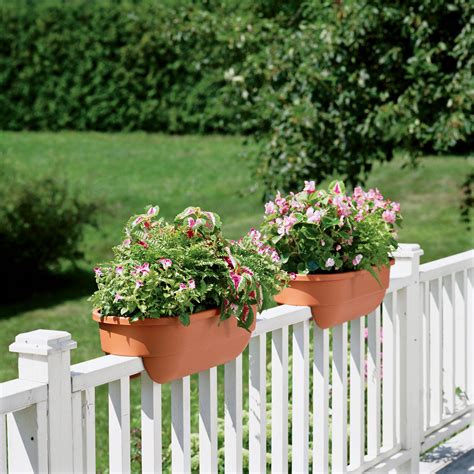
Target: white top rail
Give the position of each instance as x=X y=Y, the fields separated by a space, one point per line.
x=18 y=394
x=446 y=266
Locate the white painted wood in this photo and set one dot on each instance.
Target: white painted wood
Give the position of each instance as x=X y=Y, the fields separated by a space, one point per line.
x=280 y=317
x=373 y=384
x=300 y=402
x=436 y=352
x=459 y=341
x=339 y=399
x=77 y=429
x=44 y=356
x=103 y=370
x=321 y=400
x=151 y=425
x=180 y=426
x=18 y=394
x=88 y=416
x=469 y=292
x=389 y=372
x=425 y=341
x=257 y=405
x=280 y=400
x=446 y=266
x=357 y=389
x=208 y=421
x=27 y=445
x=233 y=415
x=448 y=345
x=3 y=444
x=119 y=425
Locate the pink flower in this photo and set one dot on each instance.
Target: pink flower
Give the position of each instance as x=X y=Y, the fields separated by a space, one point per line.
x=182 y=286
x=288 y=223
x=152 y=211
x=118 y=297
x=280 y=201
x=292 y=276
x=338 y=247
x=126 y=243
x=396 y=206
x=270 y=207
x=359 y=217
x=192 y=284
x=98 y=271
x=313 y=216
x=137 y=220
x=389 y=216
x=191 y=222
x=330 y=262
x=138 y=284
x=309 y=186
x=166 y=262
x=357 y=259
x=275 y=256
x=143 y=269
x=119 y=270
x=236 y=279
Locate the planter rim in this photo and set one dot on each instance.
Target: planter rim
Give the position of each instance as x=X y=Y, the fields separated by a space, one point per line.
x=336 y=276
x=163 y=321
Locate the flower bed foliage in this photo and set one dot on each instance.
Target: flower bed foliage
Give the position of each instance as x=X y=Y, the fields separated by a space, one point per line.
x=318 y=231
x=163 y=269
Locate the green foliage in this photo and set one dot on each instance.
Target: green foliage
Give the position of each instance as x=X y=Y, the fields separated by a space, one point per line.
x=42 y=222
x=162 y=269
x=353 y=82
x=318 y=231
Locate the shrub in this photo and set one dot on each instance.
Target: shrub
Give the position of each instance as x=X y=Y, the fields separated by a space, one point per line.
x=354 y=82
x=41 y=224
x=178 y=269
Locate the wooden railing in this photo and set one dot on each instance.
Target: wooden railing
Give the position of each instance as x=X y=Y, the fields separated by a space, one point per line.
x=372 y=394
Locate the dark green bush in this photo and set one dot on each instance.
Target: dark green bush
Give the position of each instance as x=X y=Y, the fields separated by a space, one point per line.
x=41 y=224
x=354 y=82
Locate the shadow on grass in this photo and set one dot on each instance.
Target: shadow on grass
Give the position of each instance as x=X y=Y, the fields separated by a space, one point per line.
x=45 y=290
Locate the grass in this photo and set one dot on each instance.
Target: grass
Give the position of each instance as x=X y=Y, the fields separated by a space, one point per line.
x=126 y=172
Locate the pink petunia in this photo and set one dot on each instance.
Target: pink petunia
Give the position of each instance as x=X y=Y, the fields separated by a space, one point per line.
x=192 y=284
x=338 y=247
x=309 y=186
x=330 y=263
x=143 y=269
x=396 y=206
x=275 y=256
x=98 y=271
x=119 y=270
x=126 y=243
x=118 y=297
x=138 y=284
x=389 y=216
x=270 y=207
x=166 y=262
x=182 y=286
x=357 y=259
x=292 y=276
x=313 y=216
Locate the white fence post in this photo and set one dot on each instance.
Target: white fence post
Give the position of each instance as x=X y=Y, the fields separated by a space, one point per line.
x=44 y=356
x=411 y=379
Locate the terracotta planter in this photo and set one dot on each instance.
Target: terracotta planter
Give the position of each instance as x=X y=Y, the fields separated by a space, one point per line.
x=169 y=349
x=339 y=297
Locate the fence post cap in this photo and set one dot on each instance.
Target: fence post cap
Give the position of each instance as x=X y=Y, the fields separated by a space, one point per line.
x=408 y=251
x=43 y=342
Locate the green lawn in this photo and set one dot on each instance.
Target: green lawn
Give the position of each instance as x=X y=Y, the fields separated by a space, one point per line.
x=126 y=172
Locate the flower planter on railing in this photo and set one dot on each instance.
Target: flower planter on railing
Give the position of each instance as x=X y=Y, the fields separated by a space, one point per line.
x=337 y=298
x=157 y=299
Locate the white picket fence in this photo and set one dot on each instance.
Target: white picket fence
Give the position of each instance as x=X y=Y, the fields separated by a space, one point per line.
x=371 y=395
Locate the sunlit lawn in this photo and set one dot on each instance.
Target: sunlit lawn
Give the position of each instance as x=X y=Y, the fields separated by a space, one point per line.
x=126 y=172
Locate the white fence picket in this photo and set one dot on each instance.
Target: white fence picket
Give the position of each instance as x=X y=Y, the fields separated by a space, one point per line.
x=388 y=371
x=257 y=405
x=83 y=417
x=425 y=302
x=357 y=390
x=300 y=402
x=459 y=298
x=280 y=400
x=119 y=425
x=321 y=400
x=339 y=399
x=3 y=443
x=180 y=426
x=208 y=421
x=469 y=292
x=373 y=383
x=448 y=345
x=436 y=352
x=233 y=415
x=151 y=425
